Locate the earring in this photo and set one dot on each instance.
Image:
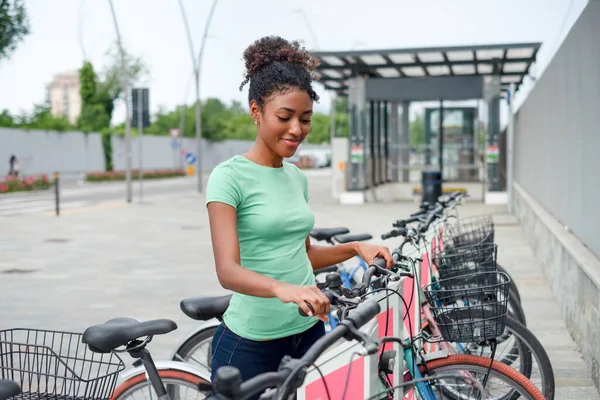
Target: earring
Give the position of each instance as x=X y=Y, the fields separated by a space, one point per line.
x=255 y=121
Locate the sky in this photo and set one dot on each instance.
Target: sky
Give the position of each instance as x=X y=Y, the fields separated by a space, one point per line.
x=65 y=32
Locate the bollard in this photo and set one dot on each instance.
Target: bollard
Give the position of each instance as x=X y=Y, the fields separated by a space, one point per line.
x=56 y=178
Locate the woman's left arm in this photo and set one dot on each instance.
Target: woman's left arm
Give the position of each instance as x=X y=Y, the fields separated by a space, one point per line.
x=325 y=256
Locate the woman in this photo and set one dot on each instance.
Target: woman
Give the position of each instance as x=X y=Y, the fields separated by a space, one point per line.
x=260 y=222
x=13 y=166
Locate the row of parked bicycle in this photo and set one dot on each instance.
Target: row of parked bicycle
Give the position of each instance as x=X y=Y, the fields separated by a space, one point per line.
x=445 y=322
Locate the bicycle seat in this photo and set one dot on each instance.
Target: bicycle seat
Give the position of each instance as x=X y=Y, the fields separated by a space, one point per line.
x=204 y=308
x=8 y=389
x=120 y=331
x=327 y=233
x=356 y=237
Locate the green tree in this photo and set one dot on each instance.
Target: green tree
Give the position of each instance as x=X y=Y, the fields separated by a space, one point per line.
x=111 y=86
x=6 y=119
x=417 y=131
x=14 y=26
x=94 y=116
x=319 y=130
x=42 y=118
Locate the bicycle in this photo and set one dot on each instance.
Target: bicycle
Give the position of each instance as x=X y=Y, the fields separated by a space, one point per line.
x=60 y=365
x=525 y=346
x=228 y=385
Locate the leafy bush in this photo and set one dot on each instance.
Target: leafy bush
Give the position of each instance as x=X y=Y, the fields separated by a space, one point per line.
x=120 y=175
x=15 y=184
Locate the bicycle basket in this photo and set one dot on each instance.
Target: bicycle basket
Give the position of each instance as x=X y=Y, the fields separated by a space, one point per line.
x=466 y=260
x=470 y=308
x=56 y=365
x=469 y=231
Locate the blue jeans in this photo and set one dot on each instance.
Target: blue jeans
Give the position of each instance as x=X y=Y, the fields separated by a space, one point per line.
x=256 y=357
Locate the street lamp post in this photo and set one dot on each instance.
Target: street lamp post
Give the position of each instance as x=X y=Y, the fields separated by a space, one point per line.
x=125 y=87
x=197 y=64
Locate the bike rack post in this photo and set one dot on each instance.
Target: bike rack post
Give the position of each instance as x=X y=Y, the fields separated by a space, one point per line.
x=56 y=193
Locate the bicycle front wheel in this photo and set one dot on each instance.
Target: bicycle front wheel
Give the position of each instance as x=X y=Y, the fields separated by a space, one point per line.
x=502 y=382
x=179 y=384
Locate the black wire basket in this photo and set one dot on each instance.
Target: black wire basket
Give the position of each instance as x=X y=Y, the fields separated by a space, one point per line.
x=470 y=308
x=466 y=260
x=469 y=231
x=56 y=365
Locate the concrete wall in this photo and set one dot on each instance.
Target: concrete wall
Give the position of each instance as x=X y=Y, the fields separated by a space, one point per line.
x=557 y=133
x=572 y=271
x=557 y=182
x=70 y=153
x=75 y=153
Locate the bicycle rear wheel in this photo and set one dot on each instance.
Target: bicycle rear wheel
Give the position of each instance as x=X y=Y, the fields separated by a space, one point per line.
x=179 y=384
x=499 y=375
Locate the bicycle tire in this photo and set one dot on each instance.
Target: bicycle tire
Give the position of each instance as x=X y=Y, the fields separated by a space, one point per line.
x=187 y=349
x=536 y=351
x=512 y=284
x=502 y=370
x=515 y=308
x=171 y=374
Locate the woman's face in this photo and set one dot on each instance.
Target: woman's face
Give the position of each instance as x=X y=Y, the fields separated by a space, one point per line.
x=284 y=121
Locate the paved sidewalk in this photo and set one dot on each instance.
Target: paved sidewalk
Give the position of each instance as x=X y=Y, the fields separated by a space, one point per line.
x=137 y=260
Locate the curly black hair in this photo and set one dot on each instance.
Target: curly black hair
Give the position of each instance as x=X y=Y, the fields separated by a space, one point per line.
x=275 y=65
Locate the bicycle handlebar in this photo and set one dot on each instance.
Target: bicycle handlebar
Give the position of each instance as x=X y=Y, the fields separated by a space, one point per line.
x=426 y=209
x=227 y=382
x=333 y=285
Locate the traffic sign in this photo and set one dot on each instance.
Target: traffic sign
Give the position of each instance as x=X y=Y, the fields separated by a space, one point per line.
x=174 y=132
x=190 y=158
x=175 y=144
x=140 y=102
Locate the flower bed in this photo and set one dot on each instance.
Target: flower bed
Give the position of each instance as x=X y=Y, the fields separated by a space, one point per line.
x=120 y=175
x=12 y=184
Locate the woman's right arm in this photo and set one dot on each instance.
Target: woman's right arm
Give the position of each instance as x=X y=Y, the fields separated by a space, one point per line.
x=232 y=276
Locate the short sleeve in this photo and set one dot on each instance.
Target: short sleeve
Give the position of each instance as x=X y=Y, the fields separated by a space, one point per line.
x=223 y=187
x=304 y=184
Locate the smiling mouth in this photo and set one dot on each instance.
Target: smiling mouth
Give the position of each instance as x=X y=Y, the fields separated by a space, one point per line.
x=291 y=140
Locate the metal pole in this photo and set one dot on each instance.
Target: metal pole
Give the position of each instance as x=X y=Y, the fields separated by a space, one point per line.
x=125 y=87
x=141 y=132
x=198 y=105
x=196 y=65
x=441 y=141
x=510 y=147
x=57 y=192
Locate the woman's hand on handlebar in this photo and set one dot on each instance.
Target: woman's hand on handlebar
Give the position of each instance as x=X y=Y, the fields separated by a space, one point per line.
x=303 y=296
x=369 y=252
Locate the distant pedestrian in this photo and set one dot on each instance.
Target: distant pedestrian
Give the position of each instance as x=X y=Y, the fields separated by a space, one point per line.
x=13 y=167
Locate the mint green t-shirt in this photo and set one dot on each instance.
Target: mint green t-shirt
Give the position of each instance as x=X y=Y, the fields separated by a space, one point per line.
x=273 y=221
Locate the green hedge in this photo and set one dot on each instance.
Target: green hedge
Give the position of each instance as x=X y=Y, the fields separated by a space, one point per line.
x=120 y=175
x=25 y=184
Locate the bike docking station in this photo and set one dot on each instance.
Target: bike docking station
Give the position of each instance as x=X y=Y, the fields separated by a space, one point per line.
x=346 y=368
x=375 y=160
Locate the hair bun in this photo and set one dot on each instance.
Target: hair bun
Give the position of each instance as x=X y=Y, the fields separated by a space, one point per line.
x=270 y=49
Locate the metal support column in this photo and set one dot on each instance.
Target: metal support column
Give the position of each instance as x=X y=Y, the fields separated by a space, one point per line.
x=356 y=167
x=394 y=143
x=386 y=144
x=441 y=141
x=492 y=88
x=404 y=142
x=378 y=132
x=510 y=143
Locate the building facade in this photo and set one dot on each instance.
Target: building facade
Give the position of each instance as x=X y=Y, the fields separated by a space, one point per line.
x=63 y=96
